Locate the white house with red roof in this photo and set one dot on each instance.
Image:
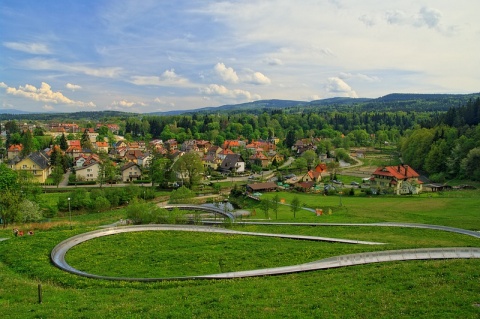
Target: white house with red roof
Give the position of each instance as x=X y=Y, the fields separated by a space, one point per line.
x=401 y=178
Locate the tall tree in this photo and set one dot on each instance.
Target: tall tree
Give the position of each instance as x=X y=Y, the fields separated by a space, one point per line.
x=276 y=205
x=28 y=143
x=57 y=173
x=160 y=171
x=63 y=142
x=9 y=206
x=295 y=206
x=190 y=168
x=9 y=195
x=85 y=140
x=265 y=205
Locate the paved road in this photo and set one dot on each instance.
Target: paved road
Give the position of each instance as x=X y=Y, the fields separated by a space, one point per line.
x=59 y=252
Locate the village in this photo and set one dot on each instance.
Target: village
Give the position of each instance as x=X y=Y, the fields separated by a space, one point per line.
x=98 y=155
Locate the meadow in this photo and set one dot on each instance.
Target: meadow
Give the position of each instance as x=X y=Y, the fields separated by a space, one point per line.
x=408 y=289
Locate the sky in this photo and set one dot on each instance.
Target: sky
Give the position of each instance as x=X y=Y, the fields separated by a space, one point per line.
x=163 y=55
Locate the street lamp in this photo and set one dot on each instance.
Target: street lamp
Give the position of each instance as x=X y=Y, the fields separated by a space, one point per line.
x=70 y=212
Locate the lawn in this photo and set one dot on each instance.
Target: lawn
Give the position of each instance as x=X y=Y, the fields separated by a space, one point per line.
x=409 y=289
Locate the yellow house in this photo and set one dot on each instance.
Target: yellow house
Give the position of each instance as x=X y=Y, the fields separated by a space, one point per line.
x=37 y=164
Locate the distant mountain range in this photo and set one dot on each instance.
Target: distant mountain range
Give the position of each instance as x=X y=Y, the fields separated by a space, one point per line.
x=390 y=102
x=13 y=111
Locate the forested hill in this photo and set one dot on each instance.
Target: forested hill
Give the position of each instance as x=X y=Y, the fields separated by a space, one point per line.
x=392 y=102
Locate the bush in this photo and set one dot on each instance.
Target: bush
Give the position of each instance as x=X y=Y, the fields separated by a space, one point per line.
x=438 y=177
x=101 y=204
x=182 y=195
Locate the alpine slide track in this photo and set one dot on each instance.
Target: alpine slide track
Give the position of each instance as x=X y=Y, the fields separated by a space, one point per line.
x=58 y=253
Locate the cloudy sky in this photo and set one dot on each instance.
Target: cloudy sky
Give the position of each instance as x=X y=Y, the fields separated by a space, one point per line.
x=160 y=55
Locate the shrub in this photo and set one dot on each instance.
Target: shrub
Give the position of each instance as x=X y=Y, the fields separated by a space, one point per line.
x=182 y=195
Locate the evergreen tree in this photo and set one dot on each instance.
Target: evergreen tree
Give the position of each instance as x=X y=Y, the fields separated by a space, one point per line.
x=85 y=140
x=63 y=142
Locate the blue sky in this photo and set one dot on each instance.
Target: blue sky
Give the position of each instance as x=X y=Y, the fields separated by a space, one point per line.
x=156 y=55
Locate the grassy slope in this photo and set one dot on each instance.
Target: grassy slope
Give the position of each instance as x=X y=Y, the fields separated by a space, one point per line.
x=414 y=289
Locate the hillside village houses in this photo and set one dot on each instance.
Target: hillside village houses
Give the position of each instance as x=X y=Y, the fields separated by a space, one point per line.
x=134 y=157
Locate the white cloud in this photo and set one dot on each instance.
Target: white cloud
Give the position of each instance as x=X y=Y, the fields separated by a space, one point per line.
x=45 y=94
x=426 y=17
x=360 y=76
x=227 y=74
x=47 y=107
x=52 y=64
x=257 y=78
x=163 y=103
x=220 y=90
x=368 y=20
x=127 y=104
x=168 y=78
x=397 y=17
x=32 y=48
x=73 y=87
x=123 y=103
x=429 y=16
x=337 y=87
x=273 y=61
x=3 y=85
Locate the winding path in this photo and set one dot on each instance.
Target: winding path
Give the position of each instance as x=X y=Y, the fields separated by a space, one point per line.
x=59 y=252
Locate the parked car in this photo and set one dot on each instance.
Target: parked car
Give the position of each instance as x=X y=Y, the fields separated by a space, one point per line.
x=336 y=181
x=354 y=183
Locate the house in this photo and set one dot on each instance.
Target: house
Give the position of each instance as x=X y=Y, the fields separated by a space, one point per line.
x=260 y=145
x=88 y=172
x=74 y=151
x=223 y=153
x=74 y=143
x=171 y=145
x=233 y=163
x=37 y=164
x=301 y=146
x=321 y=168
x=305 y=186
x=401 y=178
x=131 y=172
x=273 y=156
x=233 y=144
x=259 y=159
x=133 y=155
x=312 y=176
x=101 y=147
x=120 y=144
x=84 y=160
x=261 y=187
x=211 y=161
x=14 y=151
x=214 y=150
x=133 y=146
x=144 y=160
x=114 y=128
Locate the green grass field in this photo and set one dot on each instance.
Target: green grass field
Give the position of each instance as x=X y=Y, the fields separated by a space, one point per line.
x=408 y=289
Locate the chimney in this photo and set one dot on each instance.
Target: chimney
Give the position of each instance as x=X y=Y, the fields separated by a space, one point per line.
x=398 y=168
x=406 y=169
